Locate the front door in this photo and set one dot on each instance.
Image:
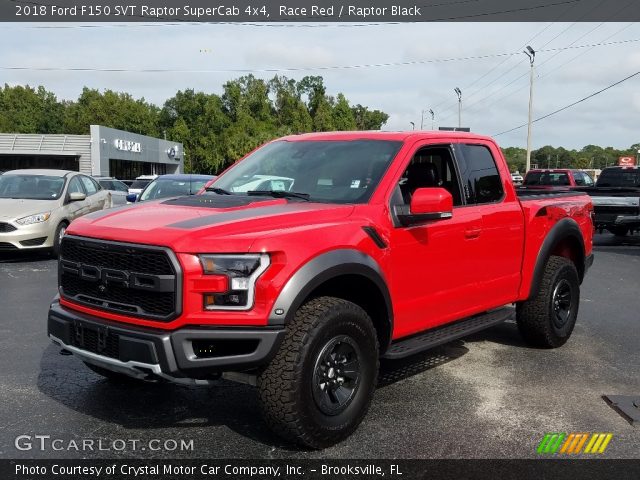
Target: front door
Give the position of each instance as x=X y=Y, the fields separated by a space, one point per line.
x=435 y=265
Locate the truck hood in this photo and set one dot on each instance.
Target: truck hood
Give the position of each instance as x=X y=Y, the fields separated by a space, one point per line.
x=12 y=208
x=205 y=223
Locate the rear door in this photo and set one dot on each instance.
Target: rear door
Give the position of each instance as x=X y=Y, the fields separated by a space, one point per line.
x=500 y=239
x=96 y=196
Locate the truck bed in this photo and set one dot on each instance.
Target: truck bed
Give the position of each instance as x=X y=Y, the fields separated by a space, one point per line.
x=540 y=193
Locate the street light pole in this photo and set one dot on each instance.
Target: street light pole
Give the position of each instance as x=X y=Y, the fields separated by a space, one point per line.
x=433 y=116
x=422 y=120
x=459 y=93
x=413 y=125
x=532 y=56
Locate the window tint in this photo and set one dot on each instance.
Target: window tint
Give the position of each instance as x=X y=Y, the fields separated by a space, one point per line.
x=119 y=186
x=619 y=177
x=431 y=167
x=75 y=186
x=482 y=180
x=579 y=178
x=588 y=181
x=89 y=186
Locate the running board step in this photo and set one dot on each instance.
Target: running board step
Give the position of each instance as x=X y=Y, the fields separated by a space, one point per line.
x=447 y=333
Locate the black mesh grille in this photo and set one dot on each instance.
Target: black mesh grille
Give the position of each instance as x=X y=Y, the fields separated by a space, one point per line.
x=7 y=246
x=6 y=227
x=115 y=296
x=96 y=341
x=130 y=259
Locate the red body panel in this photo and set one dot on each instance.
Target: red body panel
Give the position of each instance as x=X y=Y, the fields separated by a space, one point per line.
x=481 y=258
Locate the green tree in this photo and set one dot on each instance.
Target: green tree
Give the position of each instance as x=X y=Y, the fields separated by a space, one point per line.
x=111 y=109
x=342 y=114
x=29 y=110
x=368 y=119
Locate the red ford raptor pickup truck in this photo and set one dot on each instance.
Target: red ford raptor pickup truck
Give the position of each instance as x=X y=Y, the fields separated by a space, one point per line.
x=310 y=259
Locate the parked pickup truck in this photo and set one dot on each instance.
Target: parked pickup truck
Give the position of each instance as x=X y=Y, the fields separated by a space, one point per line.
x=616 y=200
x=383 y=245
x=557 y=179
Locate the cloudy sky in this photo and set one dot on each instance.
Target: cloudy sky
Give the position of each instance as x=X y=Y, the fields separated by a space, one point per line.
x=495 y=88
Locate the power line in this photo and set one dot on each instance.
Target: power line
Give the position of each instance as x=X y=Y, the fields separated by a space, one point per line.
x=449 y=103
x=267 y=70
x=302 y=69
x=558 y=50
x=566 y=107
x=546 y=75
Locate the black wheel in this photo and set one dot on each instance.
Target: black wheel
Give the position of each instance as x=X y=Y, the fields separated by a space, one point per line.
x=110 y=375
x=547 y=319
x=619 y=231
x=317 y=389
x=60 y=231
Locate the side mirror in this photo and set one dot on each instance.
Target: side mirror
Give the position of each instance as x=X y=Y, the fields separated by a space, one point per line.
x=426 y=204
x=77 y=196
x=132 y=197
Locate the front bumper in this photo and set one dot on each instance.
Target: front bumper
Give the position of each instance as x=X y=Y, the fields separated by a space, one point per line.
x=37 y=235
x=150 y=353
x=613 y=220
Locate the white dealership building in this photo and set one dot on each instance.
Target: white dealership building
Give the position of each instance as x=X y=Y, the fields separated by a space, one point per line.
x=104 y=152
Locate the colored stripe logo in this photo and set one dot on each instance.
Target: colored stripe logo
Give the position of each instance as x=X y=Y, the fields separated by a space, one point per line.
x=574 y=443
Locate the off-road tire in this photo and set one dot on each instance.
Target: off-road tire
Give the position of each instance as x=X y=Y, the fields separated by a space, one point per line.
x=536 y=317
x=288 y=388
x=110 y=375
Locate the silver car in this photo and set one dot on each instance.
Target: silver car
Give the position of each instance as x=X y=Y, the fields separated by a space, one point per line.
x=116 y=188
x=36 y=206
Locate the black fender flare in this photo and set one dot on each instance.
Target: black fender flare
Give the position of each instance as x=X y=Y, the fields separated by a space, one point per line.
x=322 y=268
x=565 y=228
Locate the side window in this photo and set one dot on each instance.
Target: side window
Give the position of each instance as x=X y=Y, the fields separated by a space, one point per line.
x=588 y=181
x=431 y=167
x=75 y=186
x=89 y=186
x=579 y=179
x=121 y=187
x=483 y=183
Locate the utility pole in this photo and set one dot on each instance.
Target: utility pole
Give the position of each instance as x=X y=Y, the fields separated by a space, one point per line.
x=422 y=120
x=433 y=116
x=459 y=93
x=532 y=56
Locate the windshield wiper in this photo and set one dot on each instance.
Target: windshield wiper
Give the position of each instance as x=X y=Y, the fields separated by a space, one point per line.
x=279 y=194
x=219 y=191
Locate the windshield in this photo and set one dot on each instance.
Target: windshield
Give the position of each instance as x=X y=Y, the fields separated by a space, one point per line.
x=140 y=184
x=327 y=171
x=165 y=187
x=619 y=177
x=547 y=178
x=32 y=187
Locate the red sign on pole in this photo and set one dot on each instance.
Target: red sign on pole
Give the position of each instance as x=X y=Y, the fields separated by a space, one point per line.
x=626 y=161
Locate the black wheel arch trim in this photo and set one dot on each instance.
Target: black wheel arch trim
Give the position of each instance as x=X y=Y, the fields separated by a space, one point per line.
x=565 y=228
x=321 y=269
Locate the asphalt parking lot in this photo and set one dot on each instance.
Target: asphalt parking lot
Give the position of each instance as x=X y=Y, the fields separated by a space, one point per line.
x=489 y=396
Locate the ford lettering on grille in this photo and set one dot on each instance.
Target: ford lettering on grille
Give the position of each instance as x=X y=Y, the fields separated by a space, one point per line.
x=133 y=280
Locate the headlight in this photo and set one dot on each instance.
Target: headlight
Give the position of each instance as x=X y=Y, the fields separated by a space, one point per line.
x=241 y=271
x=37 y=218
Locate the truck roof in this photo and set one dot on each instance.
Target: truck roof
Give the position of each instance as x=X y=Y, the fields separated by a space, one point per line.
x=383 y=135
